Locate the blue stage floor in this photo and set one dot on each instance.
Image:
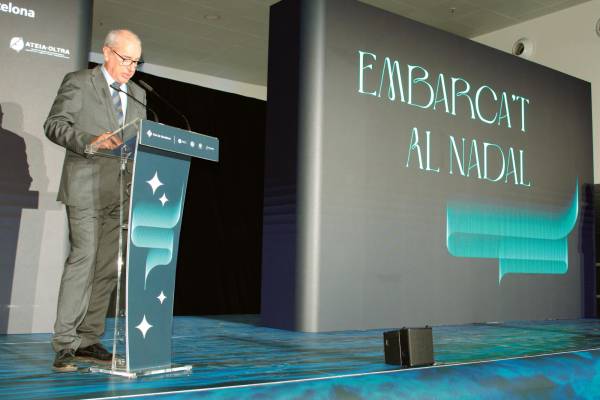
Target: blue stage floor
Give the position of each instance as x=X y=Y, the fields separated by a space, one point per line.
x=234 y=358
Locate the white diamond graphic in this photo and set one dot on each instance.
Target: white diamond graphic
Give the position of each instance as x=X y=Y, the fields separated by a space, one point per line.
x=193 y=144
x=163 y=199
x=144 y=327
x=161 y=297
x=149 y=133
x=155 y=183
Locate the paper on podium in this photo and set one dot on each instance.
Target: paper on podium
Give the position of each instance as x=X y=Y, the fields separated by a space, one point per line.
x=127 y=137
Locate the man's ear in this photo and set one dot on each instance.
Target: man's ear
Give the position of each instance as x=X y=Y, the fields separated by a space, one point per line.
x=106 y=53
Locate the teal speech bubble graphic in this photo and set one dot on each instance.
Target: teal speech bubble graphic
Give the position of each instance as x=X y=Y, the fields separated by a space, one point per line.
x=524 y=241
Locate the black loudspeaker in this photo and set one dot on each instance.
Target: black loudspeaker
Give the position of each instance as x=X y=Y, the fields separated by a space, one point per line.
x=409 y=347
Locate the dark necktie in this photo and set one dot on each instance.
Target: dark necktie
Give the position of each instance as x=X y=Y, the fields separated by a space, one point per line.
x=116 y=100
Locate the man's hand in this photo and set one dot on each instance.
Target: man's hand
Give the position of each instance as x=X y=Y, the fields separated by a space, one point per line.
x=107 y=141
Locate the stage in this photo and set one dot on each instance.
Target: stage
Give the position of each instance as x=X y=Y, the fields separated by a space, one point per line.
x=235 y=358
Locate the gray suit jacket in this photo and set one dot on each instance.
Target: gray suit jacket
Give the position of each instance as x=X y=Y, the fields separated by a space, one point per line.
x=81 y=111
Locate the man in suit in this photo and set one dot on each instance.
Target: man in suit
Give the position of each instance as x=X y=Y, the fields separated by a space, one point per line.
x=86 y=110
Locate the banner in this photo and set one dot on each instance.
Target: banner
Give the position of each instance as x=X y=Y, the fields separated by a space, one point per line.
x=40 y=41
x=415 y=177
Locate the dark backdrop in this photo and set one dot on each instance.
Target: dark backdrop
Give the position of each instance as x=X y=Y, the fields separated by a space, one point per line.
x=218 y=269
x=369 y=230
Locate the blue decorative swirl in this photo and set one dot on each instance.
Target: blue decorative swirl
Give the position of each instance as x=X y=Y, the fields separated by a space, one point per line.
x=152 y=227
x=524 y=241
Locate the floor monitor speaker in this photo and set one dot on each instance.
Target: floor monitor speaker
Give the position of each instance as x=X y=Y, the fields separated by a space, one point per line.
x=409 y=347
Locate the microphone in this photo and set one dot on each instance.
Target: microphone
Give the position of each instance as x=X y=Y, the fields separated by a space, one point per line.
x=150 y=89
x=116 y=87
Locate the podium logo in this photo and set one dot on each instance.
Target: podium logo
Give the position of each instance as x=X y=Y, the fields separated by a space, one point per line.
x=11 y=8
x=151 y=134
x=17 y=44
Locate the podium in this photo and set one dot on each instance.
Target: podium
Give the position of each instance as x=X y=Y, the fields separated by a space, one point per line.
x=156 y=158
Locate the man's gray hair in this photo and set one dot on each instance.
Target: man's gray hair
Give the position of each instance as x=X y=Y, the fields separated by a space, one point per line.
x=112 y=37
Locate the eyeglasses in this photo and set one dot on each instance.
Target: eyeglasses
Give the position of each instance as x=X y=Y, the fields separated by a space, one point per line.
x=126 y=61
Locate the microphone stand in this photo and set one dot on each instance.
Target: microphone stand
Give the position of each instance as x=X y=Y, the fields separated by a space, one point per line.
x=118 y=89
x=150 y=89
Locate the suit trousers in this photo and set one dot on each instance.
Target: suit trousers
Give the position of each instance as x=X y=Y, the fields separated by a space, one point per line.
x=89 y=276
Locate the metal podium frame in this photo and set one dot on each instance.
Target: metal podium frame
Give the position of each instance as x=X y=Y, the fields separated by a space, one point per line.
x=126 y=145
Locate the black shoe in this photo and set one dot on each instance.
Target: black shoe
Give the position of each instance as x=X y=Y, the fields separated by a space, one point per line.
x=65 y=361
x=94 y=353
